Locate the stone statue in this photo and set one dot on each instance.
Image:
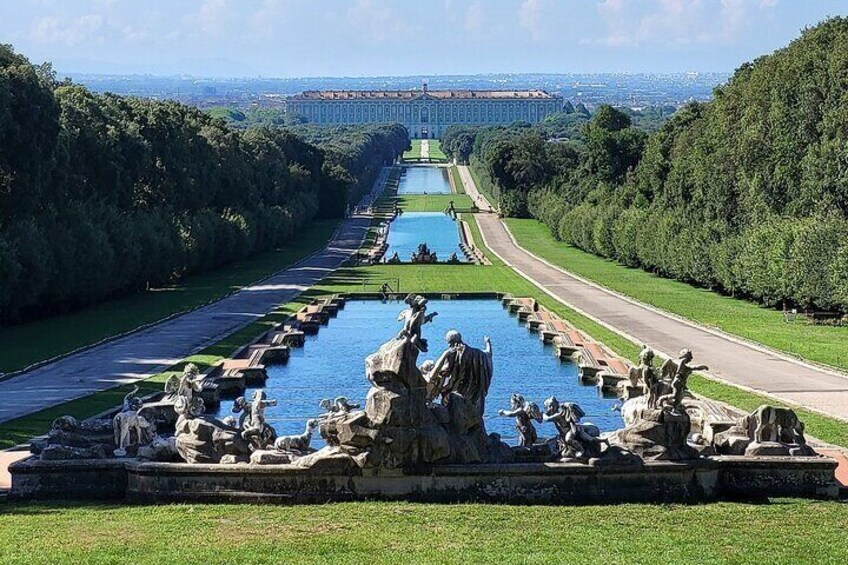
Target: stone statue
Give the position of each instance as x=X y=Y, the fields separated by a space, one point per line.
x=678 y=372
x=414 y=318
x=451 y=210
x=432 y=380
x=574 y=440
x=300 y=444
x=465 y=370
x=130 y=427
x=70 y=438
x=255 y=429
x=767 y=431
x=423 y=255
x=645 y=376
x=340 y=405
x=394 y=259
x=453 y=259
x=524 y=413
x=182 y=389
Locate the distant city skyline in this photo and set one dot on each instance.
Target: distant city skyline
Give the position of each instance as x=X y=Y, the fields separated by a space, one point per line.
x=315 y=38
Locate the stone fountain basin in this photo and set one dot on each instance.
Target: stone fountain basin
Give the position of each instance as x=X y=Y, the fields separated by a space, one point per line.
x=706 y=479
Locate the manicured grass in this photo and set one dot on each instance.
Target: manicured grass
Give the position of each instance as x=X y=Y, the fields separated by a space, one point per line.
x=822 y=344
x=436 y=153
x=415 y=152
x=458 y=187
x=395 y=532
x=25 y=344
x=427 y=202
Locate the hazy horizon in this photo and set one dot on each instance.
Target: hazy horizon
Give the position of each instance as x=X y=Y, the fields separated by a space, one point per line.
x=282 y=39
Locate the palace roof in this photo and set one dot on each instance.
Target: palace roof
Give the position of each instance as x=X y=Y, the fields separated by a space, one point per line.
x=418 y=94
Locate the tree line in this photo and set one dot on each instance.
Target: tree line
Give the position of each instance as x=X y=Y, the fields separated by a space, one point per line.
x=102 y=195
x=746 y=194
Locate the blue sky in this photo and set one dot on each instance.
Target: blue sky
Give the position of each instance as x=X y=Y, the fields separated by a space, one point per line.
x=291 y=38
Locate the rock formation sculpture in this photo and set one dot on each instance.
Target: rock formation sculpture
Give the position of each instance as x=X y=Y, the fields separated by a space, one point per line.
x=525 y=413
x=424 y=255
x=70 y=438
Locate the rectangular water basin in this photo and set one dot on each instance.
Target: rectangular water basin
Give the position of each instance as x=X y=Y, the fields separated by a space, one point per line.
x=436 y=229
x=424 y=180
x=332 y=364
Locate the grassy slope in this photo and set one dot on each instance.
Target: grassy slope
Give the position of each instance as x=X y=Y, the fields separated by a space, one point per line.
x=459 y=188
x=374 y=533
x=22 y=345
x=822 y=344
x=415 y=152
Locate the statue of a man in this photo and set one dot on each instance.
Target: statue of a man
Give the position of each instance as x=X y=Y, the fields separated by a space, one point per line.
x=465 y=370
x=679 y=372
x=414 y=319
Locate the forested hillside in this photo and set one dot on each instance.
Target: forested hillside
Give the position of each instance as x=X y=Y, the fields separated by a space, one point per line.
x=102 y=195
x=747 y=194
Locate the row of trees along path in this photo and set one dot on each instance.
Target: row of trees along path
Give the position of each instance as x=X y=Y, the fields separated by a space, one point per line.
x=730 y=360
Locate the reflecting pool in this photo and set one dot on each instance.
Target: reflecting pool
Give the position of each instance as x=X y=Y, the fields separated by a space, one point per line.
x=436 y=229
x=424 y=180
x=332 y=364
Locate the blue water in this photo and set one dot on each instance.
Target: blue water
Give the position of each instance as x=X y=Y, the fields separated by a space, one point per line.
x=421 y=180
x=436 y=229
x=332 y=364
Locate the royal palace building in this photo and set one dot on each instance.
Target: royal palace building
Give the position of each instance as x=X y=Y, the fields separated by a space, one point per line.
x=425 y=113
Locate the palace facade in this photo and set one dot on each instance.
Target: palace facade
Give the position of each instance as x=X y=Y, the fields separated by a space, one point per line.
x=425 y=113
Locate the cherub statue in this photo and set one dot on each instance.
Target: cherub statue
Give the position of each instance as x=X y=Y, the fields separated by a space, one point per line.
x=130 y=427
x=414 y=318
x=678 y=372
x=255 y=428
x=430 y=378
x=645 y=375
x=182 y=389
x=574 y=440
x=524 y=413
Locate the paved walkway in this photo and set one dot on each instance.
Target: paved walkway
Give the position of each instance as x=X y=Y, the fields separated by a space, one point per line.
x=148 y=352
x=733 y=361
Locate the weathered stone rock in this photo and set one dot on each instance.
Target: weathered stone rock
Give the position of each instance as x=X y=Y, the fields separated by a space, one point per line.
x=328 y=460
x=464 y=416
x=57 y=452
x=207 y=440
x=656 y=435
x=270 y=457
x=388 y=407
x=433 y=444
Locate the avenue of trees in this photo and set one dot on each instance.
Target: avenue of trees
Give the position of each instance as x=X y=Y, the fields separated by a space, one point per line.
x=746 y=194
x=102 y=195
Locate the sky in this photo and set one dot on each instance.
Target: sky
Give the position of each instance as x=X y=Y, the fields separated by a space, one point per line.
x=300 y=38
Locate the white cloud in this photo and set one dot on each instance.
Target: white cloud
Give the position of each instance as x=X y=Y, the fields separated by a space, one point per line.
x=533 y=18
x=676 y=22
x=74 y=31
x=379 y=21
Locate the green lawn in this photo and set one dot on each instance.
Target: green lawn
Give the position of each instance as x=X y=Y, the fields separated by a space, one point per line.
x=458 y=187
x=427 y=202
x=822 y=344
x=436 y=153
x=414 y=153
x=25 y=344
x=395 y=532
